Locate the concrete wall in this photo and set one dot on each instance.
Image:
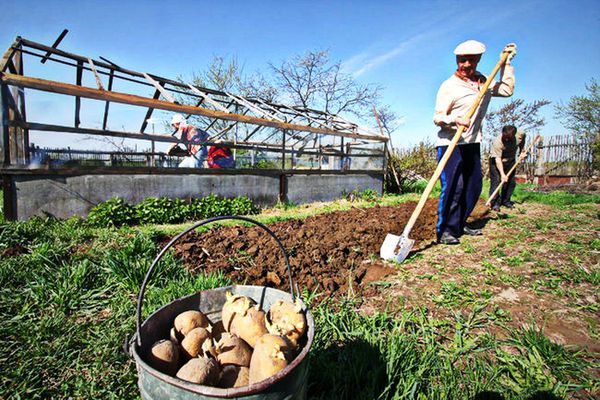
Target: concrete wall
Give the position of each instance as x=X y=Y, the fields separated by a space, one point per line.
x=308 y=188
x=65 y=196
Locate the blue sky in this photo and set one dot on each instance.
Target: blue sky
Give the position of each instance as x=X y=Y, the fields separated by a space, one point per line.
x=404 y=46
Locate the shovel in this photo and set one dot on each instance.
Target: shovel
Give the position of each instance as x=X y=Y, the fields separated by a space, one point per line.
x=514 y=167
x=397 y=247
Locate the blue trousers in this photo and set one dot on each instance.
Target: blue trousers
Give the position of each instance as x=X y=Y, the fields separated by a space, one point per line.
x=461 y=186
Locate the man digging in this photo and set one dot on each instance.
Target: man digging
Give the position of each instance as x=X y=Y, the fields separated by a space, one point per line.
x=461 y=178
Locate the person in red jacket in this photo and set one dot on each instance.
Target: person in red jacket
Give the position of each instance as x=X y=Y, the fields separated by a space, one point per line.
x=220 y=157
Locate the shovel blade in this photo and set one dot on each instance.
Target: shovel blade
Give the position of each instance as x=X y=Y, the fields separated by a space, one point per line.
x=396 y=248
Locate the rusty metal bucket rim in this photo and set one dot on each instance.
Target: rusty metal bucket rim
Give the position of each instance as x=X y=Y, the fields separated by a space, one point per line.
x=230 y=392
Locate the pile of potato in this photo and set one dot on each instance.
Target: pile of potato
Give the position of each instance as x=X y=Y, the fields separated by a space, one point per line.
x=245 y=347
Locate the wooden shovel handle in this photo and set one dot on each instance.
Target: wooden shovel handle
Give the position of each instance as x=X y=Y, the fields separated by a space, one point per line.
x=451 y=146
x=514 y=167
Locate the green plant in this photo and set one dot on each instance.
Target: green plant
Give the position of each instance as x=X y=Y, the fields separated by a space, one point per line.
x=266 y=164
x=161 y=211
x=113 y=212
x=412 y=166
x=213 y=206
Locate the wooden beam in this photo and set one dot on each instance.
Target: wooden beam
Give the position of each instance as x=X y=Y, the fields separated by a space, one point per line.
x=4 y=120
x=99 y=132
x=110 y=84
x=55 y=45
x=208 y=99
x=98 y=80
x=78 y=77
x=160 y=88
x=7 y=56
x=21 y=98
x=74 y=90
x=167 y=138
x=149 y=112
x=110 y=62
x=257 y=110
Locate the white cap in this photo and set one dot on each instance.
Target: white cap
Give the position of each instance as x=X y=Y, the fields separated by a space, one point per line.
x=177 y=119
x=470 y=47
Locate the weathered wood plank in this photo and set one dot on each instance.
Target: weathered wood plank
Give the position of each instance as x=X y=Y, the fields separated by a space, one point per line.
x=55 y=44
x=208 y=99
x=6 y=57
x=74 y=90
x=98 y=80
x=5 y=138
x=160 y=88
x=110 y=83
x=149 y=112
x=78 y=79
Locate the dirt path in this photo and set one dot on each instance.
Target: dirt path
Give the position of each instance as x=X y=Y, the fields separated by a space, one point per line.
x=526 y=270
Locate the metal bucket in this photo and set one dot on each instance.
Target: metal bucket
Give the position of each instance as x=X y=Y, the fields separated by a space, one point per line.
x=288 y=384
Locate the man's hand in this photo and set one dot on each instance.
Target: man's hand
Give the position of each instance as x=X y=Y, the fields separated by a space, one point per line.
x=510 y=48
x=522 y=156
x=462 y=121
x=504 y=178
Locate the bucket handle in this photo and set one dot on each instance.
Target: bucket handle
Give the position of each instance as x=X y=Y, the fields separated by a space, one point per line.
x=185 y=232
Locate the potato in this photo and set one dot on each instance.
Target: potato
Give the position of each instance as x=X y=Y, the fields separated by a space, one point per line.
x=217 y=330
x=164 y=356
x=188 y=320
x=287 y=319
x=269 y=357
x=202 y=370
x=250 y=325
x=231 y=350
x=192 y=343
x=233 y=376
x=234 y=305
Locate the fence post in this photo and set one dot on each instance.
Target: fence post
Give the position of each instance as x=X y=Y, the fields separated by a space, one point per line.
x=5 y=137
x=539 y=167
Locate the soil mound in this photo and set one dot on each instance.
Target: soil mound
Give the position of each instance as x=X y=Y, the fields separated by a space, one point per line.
x=335 y=253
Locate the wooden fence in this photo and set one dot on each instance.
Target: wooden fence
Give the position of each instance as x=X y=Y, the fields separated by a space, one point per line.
x=554 y=160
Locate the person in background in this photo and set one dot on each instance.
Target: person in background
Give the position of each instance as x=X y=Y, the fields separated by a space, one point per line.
x=502 y=158
x=220 y=157
x=193 y=138
x=461 y=178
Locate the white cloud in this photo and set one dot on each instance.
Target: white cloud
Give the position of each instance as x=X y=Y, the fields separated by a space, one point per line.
x=362 y=62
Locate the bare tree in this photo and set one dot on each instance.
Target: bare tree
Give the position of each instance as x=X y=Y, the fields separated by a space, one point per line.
x=518 y=113
x=227 y=75
x=390 y=121
x=582 y=116
x=313 y=81
x=582 y=113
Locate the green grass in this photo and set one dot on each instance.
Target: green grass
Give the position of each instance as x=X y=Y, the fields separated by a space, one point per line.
x=525 y=193
x=68 y=300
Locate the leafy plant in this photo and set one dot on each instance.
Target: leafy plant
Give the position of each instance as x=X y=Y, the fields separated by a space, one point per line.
x=113 y=212
x=116 y=212
x=162 y=211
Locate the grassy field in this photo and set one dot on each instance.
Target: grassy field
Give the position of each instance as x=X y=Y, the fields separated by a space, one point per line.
x=68 y=297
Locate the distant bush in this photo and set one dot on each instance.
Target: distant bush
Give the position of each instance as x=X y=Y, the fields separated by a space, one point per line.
x=411 y=166
x=163 y=210
x=266 y=164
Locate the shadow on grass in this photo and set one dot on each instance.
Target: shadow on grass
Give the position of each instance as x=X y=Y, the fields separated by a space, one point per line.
x=350 y=370
x=542 y=395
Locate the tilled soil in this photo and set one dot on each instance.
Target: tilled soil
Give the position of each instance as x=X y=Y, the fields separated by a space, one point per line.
x=334 y=254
